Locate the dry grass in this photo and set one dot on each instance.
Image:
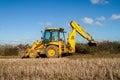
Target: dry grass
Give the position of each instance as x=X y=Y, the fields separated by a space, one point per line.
x=95 y=63
x=95 y=55
x=60 y=69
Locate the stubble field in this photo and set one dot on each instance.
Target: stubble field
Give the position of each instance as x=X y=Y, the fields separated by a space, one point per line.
x=89 y=63
x=60 y=69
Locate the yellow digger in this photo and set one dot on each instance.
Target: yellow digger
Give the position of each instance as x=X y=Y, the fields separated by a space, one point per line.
x=53 y=43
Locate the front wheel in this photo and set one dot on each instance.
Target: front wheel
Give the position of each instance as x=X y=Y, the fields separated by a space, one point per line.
x=52 y=51
x=33 y=54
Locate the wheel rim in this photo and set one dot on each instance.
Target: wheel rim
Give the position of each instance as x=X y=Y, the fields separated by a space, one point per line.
x=51 y=52
x=32 y=54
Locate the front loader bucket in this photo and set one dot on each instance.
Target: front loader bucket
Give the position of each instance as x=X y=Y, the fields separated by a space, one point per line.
x=28 y=53
x=22 y=51
x=21 y=54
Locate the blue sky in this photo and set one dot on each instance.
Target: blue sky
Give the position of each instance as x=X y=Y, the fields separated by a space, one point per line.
x=22 y=20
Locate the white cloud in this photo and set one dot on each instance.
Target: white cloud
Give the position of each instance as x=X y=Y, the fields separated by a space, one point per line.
x=99 y=1
x=40 y=23
x=94 y=1
x=102 y=18
x=45 y=23
x=88 y=21
x=97 y=23
x=115 y=16
x=68 y=24
x=14 y=42
x=48 y=23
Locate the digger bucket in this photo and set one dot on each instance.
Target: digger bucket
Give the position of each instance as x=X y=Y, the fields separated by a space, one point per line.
x=93 y=43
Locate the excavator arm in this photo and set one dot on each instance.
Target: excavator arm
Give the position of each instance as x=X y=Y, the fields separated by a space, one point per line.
x=81 y=31
x=72 y=36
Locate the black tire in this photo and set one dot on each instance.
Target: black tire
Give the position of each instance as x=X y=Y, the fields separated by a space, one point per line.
x=52 y=51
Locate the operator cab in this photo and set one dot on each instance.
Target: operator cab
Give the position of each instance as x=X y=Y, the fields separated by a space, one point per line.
x=53 y=35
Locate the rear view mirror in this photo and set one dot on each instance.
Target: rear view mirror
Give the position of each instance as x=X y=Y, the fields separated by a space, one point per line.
x=41 y=31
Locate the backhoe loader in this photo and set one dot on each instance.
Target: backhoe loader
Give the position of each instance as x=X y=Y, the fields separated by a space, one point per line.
x=53 y=43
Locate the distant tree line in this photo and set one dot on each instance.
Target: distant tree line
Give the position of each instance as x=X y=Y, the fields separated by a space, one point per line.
x=105 y=46
x=9 y=50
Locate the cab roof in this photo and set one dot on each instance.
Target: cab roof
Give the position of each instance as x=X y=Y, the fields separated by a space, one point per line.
x=59 y=29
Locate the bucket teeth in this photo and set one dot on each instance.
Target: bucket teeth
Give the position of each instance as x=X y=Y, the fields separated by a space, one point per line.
x=21 y=54
x=93 y=43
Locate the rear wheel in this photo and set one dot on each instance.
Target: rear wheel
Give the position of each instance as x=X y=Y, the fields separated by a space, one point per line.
x=52 y=51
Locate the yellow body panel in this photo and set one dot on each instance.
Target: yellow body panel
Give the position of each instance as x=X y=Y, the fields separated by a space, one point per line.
x=53 y=43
